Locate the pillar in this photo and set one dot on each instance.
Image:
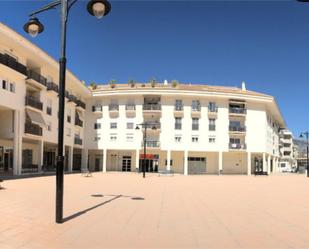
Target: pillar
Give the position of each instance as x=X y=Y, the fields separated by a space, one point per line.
x=168 y=160
x=249 y=163
x=264 y=162
x=41 y=155
x=268 y=164
x=70 y=159
x=104 y=160
x=185 y=169
x=85 y=159
x=220 y=167
x=18 y=147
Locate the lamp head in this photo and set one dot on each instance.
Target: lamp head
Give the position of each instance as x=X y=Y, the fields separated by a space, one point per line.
x=33 y=27
x=98 y=8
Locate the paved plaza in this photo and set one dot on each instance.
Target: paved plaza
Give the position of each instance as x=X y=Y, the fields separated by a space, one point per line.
x=123 y=210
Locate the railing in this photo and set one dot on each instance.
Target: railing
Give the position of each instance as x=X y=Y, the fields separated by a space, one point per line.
x=237 y=110
x=78 y=122
x=13 y=64
x=33 y=102
x=37 y=77
x=212 y=127
x=96 y=108
x=81 y=104
x=195 y=127
x=72 y=98
x=130 y=107
x=178 y=108
x=51 y=86
x=33 y=129
x=152 y=144
x=78 y=140
x=195 y=108
x=152 y=107
x=154 y=126
x=113 y=107
x=237 y=128
x=237 y=146
x=29 y=168
x=213 y=109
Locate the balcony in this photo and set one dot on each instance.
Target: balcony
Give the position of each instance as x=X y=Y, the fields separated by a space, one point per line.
x=153 y=127
x=237 y=129
x=80 y=104
x=51 y=86
x=78 y=141
x=33 y=102
x=97 y=109
x=178 y=111
x=152 y=144
x=36 y=79
x=78 y=122
x=33 y=129
x=239 y=111
x=130 y=110
x=13 y=64
x=196 y=111
x=212 y=111
x=237 y=146
x=113 y=110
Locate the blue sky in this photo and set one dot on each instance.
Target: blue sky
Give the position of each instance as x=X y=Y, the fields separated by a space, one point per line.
x=263 y=43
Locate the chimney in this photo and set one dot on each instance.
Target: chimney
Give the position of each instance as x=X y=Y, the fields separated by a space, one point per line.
x=243 y=86
x=165 y=82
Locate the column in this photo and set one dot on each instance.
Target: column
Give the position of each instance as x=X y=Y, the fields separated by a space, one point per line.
x=104 y=159
x=264 y=162
x=70 y=159
x=17 y=150
x=137 y=160
x=84 y=159
x=41 y=155
x=168 y=160
x=249 y=163
x=185 y=169
x=268 y=164
x=220 y=163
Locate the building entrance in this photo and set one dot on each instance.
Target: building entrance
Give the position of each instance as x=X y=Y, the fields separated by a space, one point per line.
x=151 y=163
x=126 y=163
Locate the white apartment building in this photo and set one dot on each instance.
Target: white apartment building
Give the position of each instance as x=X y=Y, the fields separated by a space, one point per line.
x=288 y=151
x=199 y=129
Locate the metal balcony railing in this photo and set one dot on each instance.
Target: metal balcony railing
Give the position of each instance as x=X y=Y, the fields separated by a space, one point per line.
x=178 y=108
x=13 y=64
x=37 y=77
x=237 y=128
x=237 y=146
x=195 y=108
x=152 y=107
x=33 y=129
x=78 y=141
x=113 y=107
x=152 y=144
x=213 y=109
x=33 y=102
x=51 y=86
x=237 y=110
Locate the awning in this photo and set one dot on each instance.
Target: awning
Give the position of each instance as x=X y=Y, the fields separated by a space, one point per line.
x=36 y=118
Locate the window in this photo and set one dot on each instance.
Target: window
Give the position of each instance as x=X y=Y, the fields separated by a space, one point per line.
x=194 y=139
x=130 y=125
x=234 y=140
x=196 y=106
x=48 y=110
x=68 y=118
x=212 y=140
x=68 y=132
x=178 y=139
x=113 y=125
x=171 y=162
x=97 y=126
x=212 y=107
x=113 y=137
x=129 y=138
x=178 y=123
x=178 y=105
x=12 y=87
x=195 y=125
x=212 y=124
x=4 y=85
x=27 y=157
x=49 y=126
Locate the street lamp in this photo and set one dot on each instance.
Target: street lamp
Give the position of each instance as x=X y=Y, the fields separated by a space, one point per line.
x=306 y=135
x=145 y=125
x=33 y=27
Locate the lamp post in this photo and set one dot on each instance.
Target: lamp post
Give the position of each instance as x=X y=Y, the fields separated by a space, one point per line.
x=33 y=27
x=145 y=125
x=306 y=136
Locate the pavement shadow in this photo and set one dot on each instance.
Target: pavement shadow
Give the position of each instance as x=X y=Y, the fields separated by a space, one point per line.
x=115 y=197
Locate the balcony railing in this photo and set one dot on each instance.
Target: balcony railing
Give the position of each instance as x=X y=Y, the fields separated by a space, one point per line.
x=29 y=168
x=78 y=122
x=152 y=144
x=78 y=141
x=237 y=128
x=33 y=102
x=130 y=107
x=237 y=146
x=13 y=64
x=153 y=126
x=51 y=86
x=33 y=129
x=113 y=107
x=237 y=110
x=196 y=108
x=178 y=108
x=96 y=108
x=81 y=104
x=37 y=77
x=213 y=109
x=152 y=107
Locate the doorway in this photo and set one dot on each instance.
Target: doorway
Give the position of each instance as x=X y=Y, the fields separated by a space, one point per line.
x=97 y=164
x=126 y=163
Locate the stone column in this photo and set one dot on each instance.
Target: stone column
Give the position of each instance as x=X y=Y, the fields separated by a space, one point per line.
x=185 y=169
x=41 y=155
x=220 y=167
x=84 y=159
x=17 y=150
x=268 y=164
x=249 y=163
x=70 y=159
x=104 y=160
x=168 y=160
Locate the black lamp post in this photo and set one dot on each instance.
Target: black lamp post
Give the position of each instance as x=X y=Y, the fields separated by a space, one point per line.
x=306 y=136
x=33 y=27
x=145 y=125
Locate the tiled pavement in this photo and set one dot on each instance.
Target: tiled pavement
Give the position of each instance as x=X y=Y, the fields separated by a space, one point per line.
x=103 y=211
